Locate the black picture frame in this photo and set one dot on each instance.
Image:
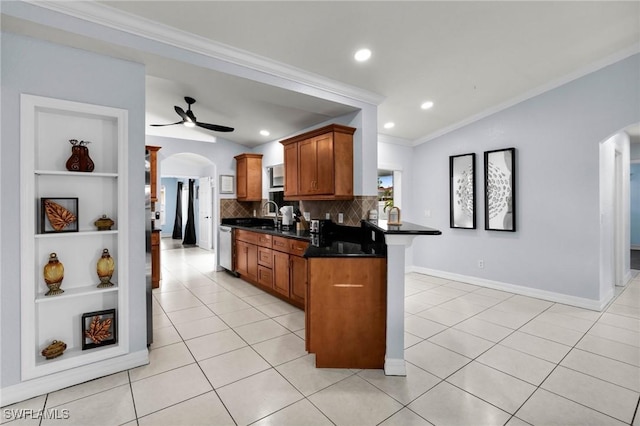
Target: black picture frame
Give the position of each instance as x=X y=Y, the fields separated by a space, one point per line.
x=500 y=190
x=69 y=203
x=88 y=343
x=462 y=191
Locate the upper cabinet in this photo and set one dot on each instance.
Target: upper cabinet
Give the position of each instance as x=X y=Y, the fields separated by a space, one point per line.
x=319 y=164
x=153 y=170
x=249 y=177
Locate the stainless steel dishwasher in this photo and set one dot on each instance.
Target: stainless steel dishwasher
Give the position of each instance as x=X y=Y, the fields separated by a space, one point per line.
x=226 y=248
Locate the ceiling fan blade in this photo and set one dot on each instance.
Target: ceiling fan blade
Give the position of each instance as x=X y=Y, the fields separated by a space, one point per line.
x=215 y=127
x=170 y=124
x=181 y=113
x=191 y=116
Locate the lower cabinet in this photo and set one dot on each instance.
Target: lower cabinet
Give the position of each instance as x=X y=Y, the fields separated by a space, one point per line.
x=281 y=274
x=345 y=312
x=275 y=264
x=247 y=260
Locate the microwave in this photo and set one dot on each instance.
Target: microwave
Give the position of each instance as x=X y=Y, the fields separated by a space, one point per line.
x=276 y=177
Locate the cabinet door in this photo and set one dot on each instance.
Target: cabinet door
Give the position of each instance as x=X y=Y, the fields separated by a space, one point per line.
x=241 y=257
x=241 y=178
x=252 y=262
x=324 y=164
x=307 y=167
x=281 y=273
x=298 y=278
x=291 y=170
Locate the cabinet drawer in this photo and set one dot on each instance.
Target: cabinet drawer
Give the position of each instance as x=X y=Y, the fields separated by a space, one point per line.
x=246 y=236
x=281 y=244
x=297 y=247
x=265 y=257
x=265 y=276
x=264 y=240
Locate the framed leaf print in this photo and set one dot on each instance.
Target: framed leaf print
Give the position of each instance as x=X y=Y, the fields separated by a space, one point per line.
x=462 y=189
x=58 y=215
x=500 y=190
x=99 y=328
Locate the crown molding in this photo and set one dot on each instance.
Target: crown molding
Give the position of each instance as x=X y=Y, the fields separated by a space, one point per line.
x=593 y=67
x=109 y=17
x=394 y=140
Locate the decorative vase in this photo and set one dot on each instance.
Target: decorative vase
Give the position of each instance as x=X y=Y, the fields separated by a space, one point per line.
x=79 y=160
x=104 y=223
x=55 y=349
x=53 y=275
x=105 y=268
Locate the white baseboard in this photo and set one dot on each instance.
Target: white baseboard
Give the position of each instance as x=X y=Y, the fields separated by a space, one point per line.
x=395 y=367
x=580 y=302
x=53 y=382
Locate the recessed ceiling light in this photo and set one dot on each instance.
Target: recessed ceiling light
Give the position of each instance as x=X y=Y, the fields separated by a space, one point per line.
x=426 y=105
x=389 y=125
x=264 y=132
x=362 y=55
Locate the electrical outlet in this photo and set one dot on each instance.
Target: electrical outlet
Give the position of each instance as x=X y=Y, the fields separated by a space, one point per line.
x=481 y=264
x=427 y=213
x=327 y=216
x=340 y=218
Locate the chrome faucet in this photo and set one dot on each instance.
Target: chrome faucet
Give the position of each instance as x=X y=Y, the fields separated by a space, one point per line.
x=275 y=219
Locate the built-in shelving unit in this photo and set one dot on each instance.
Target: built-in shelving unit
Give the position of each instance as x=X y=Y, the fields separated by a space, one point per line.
x=47 y=125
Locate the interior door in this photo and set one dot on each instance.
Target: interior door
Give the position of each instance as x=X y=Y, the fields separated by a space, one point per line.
x=205 y=213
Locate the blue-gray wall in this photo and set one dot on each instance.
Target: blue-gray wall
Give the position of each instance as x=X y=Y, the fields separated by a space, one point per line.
x=556 y=134
x=40 y=68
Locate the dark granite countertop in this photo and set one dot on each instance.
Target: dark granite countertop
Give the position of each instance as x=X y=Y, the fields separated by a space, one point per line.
x=336 y=241
x=406 y=228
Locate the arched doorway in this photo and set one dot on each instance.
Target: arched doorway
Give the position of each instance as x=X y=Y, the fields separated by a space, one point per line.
x=180 y=168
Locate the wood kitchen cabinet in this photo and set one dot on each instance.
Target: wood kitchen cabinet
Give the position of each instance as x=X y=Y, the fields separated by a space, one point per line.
x=249 y=177
x=273 y=263
x=153 y=171
x=346 y=312
x=319 y=164
x=247 y=260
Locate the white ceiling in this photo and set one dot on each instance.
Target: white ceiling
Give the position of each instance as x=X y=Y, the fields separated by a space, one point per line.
x=470 y=58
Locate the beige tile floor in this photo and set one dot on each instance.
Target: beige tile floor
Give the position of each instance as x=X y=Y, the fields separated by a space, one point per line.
x=226 y=353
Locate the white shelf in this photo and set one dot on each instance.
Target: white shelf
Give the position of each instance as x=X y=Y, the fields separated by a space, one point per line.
x=74 y=174
x=78 y=234
x=75 y=292
x=46 y=126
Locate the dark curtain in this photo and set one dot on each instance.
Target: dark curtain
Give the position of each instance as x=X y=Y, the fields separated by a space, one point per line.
x=190 y=228
x=177 y=223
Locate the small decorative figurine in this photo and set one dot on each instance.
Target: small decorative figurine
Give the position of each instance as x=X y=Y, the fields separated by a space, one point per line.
x=105 y=268
x=79 y=160
x=104 y=223
x=55 y=349
x=53 y=275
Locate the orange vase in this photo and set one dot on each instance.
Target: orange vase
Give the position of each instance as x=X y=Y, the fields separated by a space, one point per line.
x=53 y=275
x=105 y=269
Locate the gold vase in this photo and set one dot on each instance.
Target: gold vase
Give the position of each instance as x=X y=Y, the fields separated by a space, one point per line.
x=53 y=275
x=105 y=268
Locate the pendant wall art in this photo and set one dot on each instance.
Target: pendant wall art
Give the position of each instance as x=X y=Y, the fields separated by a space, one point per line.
x=462 y=191
x=500 y=190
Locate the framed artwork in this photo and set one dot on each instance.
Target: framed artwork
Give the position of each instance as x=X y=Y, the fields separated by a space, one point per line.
x=226 y=184
x=58 y=215
x=500 y=190
x=462 y=191
x=99 y=328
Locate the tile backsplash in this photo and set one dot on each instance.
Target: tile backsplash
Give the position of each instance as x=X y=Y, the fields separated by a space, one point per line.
x=353 y=210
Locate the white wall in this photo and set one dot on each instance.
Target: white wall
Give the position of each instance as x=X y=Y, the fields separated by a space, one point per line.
x=556 y=248
x=41 y=68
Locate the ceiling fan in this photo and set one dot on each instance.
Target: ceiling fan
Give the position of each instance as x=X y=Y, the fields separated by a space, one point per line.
x=189 y=120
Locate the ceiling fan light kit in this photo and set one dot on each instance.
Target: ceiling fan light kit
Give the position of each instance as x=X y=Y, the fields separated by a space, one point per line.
x=189 y=119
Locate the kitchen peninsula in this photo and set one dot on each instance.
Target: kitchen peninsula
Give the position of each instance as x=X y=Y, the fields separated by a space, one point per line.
x=345 y=279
